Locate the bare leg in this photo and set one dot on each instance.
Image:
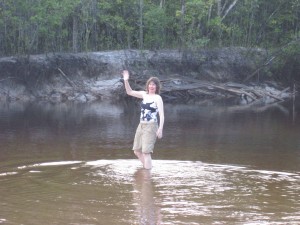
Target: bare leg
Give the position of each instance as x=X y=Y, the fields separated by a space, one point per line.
x=147 y=161
x=140 y=156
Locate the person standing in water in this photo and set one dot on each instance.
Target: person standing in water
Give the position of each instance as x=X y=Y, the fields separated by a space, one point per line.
x=148 y=129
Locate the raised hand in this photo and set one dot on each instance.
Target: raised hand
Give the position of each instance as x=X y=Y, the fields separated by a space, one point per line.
x=125 y=74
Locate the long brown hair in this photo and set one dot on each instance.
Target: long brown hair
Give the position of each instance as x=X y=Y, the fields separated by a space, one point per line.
x=156 y=81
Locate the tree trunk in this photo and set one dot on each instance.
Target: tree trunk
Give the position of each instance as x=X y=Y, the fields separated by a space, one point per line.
x=219 y=7
x=209 y=12
x=251 y=19
x=219 y=12
x=182 y=24
x=141 y=42
x=229 y=8
x=75 y=34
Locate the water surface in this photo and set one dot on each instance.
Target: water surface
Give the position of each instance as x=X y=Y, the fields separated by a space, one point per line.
x=72 y=164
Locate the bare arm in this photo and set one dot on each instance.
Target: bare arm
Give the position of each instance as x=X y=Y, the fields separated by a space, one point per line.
x=160 y=106
x=129 y=91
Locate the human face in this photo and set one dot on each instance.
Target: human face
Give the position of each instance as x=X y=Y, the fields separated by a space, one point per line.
x=152 y=87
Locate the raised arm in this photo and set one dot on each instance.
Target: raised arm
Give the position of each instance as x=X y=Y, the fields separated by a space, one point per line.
x=129 y=91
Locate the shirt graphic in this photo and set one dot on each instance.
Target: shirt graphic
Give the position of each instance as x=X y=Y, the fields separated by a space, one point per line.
x=149 y=111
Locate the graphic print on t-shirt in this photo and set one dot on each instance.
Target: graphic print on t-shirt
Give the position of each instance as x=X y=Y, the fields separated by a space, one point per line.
x=149 y=111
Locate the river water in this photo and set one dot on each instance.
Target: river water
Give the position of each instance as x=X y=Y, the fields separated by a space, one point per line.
x=216 y=164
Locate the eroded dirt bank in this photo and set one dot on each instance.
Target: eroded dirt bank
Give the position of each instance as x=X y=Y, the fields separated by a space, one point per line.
x=186 y=76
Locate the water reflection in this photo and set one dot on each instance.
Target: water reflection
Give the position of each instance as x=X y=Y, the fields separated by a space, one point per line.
x=143 y=194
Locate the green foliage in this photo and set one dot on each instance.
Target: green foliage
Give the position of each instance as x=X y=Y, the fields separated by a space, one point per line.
x=40 y=26
x=155 y=22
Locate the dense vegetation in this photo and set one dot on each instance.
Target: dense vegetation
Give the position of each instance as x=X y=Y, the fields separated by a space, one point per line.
x=41 y=26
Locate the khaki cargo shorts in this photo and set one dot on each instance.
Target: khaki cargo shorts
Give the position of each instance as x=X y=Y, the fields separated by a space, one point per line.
x=145 y=137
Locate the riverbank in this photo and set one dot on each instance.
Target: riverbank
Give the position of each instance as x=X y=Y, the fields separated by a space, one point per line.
x=85 y=77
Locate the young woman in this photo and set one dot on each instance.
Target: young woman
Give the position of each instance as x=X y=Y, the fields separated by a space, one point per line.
x=148 y=129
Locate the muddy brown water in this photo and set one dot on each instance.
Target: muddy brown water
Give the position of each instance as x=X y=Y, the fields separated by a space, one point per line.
x=218 y=164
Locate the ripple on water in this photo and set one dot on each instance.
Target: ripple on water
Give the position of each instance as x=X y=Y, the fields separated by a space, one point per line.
x=184 y=192
x=205 y=190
